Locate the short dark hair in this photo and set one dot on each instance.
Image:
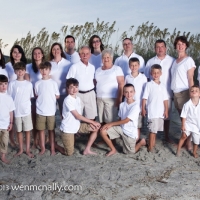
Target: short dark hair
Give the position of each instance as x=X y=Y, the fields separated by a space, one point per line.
x=3 y=78
x=72 y=81
x=160 y=41
x=19 y=65
x=51 y=57
x=182 y=39
x=134 y=59
x=127 y=39
x=69 y=36
x=195 y=86
x=2 y=60
x=156 y=66
x=129 y=85
x=45 y=65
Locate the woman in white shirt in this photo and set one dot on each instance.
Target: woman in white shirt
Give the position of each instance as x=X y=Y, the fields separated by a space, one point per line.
x=109 y=85
x=182 y=73
x=2 y=65
x=96 y=47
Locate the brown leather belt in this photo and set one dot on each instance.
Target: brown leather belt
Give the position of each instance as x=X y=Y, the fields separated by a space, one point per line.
x=83 y=92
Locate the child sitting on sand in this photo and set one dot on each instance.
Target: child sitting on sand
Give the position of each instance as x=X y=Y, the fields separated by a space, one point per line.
x=126 y=127
x=71 y=124
x=191 y=120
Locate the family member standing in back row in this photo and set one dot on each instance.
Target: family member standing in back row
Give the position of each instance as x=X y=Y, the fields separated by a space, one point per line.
x=2 y=65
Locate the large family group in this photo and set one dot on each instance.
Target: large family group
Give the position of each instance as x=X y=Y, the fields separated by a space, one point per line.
x=88 y=86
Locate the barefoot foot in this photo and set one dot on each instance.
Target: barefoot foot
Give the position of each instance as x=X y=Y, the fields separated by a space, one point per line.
x=30 y=155
x=18 y=153
x=111 y=153
x=88 y=152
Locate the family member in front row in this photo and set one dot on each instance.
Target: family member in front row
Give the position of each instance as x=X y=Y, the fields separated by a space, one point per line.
x=156 y=97
x=126 y=127
x=190 y=120
x=138 y=80
x=165 y=61
x=6 y=117
x=70 y=124
x=122 y=61
x=83 y=71
x=21 y=91
x=46 y=91
x=71 y=55
x=109 y=88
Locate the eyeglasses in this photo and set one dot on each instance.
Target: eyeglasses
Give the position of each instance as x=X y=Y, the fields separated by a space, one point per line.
x=95 y=41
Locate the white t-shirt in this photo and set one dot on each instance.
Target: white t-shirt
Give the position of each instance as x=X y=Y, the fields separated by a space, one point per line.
x=130 y=111
x=10 y=70
x=34 y=77
x=179 y=74
x=96 y=60
x=6 y=106
x=166 y=65
x=59 y=72
x=107 y=85
x=69 y=123
x=74 y=58
x=84 y=74
x=123 y=62
x=21 y=92
x=46 y=90
x=155 y=94
x=192 y=115
x=3 y=72
x=139 y=83
x=198 y=76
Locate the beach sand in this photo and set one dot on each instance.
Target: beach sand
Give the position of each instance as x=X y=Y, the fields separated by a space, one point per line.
x=158 y=175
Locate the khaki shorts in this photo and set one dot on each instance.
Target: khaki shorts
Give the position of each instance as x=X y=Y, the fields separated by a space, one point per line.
x=45 y=122
x=155 y=125
x=4 y=137
x=107 y=110
x=181 y=98
x=88 y=104
x=68 y=138
x=140 y=121
x=195 y=137
x=23 y=123
x=128 y=142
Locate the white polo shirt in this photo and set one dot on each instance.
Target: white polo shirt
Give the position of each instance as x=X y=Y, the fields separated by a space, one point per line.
x=139 y=83
x=34 y=77
x=10 y=70
x=59 y=72
x=192 y=114
x=74 y=58
x=179 y=74
x=69 y=123
x=107 y=85
x=123 y=62
x=21 y=92
x=155 y=94
x=6 y=106
x=166 y=65
x=3 y=72
x=84 y=74
x=96 y=60
x=46 y=90
x=130 y=111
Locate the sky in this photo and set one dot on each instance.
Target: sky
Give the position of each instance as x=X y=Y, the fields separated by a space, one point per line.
x=19 y=17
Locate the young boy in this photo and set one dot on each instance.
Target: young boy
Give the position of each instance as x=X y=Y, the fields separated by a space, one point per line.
x=70 y=124
x=191 y=120
x=6 y=117
x=156 y=98
x=126 y=127
x=139 y=81
x=46 y=91
x=22 y=91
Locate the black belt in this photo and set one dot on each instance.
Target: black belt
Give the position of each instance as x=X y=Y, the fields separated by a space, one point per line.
x=83 y=92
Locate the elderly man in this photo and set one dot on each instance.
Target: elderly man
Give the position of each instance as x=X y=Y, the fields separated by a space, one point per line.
x=83 y=71
x=166 y=62
x=123 y=60
x=70 y=52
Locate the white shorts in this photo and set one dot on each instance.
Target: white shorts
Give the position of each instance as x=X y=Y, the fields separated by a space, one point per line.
x=23 y=123
x=155 y=125
x=195 y=137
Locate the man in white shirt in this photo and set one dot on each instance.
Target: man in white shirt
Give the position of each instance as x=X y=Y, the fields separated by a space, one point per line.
x=70 y=52
x=83 y=71
x=165 y=61
x=123 y=60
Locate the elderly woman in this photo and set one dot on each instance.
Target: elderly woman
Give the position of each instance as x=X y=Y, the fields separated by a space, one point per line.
x=182 y=72
x=109 y=85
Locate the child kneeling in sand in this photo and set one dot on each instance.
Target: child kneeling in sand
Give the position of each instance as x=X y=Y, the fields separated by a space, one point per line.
x=126 y=127
x=191 y=120
x=71 y=125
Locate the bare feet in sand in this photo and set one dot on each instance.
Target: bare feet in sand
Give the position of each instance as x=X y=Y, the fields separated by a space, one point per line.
x=42 y=152
x=195 y=155
x=88 y=152
x=30 y=155
x=111 y=153
x=178 y=154
x=18 y=153
x=53 y=153
x=5 y=161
